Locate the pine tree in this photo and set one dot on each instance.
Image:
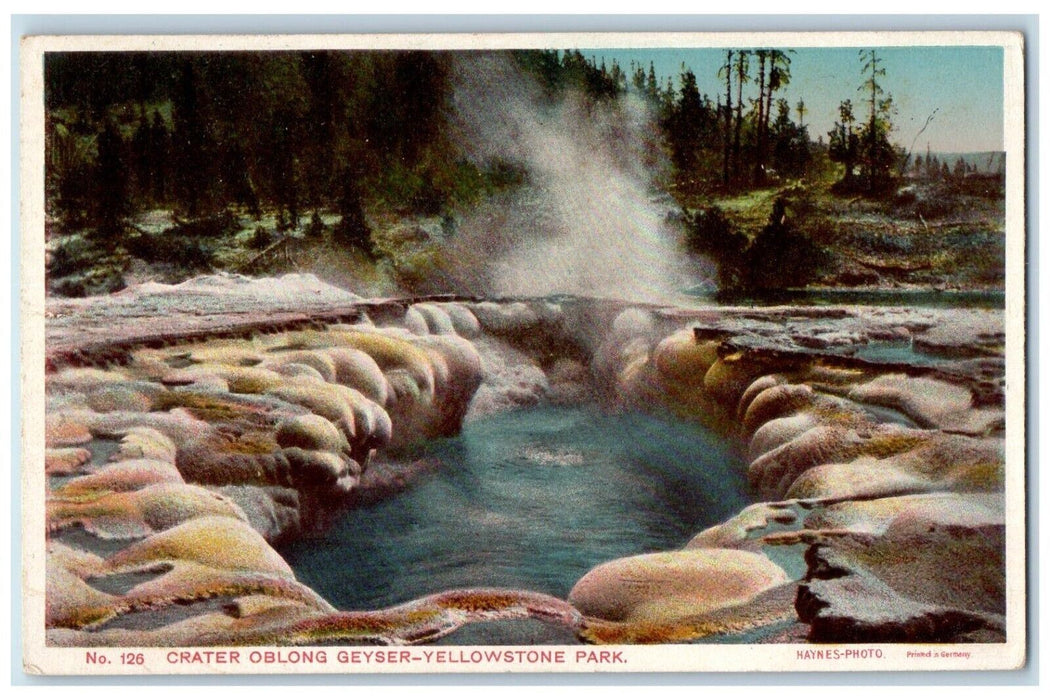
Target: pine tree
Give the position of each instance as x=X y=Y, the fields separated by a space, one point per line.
x=843 y=142
x=141 y=158
x=878 y=156
x=190 y=143
x=933 y=168
x=638 y=78
x=727 y=71
x=111 y=182
x=319 y=126
x=742 y=77
x=352 y=229
x=762 y=136
x=284 y=175
x=160 y=158
x=685 y=125
x=779 y=63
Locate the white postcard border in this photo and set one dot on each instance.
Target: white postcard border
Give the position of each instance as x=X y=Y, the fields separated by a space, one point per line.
x=39 y=658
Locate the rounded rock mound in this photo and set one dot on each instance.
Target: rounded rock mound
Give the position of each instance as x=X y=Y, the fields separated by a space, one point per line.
x=669 y=586
x=310 y=432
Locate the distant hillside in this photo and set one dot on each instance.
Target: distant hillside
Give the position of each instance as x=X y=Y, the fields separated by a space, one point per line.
x=985 y=161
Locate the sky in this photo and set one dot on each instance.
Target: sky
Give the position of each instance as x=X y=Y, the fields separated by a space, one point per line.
x=964 y=85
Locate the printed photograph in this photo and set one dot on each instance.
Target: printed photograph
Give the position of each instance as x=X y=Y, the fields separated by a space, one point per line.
x=528 y=351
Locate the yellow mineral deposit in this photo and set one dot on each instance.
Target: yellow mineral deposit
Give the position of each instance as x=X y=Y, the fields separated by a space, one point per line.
x=214 y=447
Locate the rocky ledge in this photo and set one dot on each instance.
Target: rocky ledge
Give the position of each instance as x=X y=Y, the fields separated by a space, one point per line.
x=180 y=448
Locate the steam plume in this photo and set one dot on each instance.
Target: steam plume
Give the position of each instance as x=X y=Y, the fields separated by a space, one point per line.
x=588 y=222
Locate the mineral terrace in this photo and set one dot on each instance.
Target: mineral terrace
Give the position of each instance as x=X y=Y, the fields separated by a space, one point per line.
x=189 y=428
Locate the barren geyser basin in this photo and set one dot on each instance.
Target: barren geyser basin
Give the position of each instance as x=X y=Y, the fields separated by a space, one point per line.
x=275 y=461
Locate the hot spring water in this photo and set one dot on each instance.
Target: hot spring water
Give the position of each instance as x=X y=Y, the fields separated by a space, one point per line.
x=530 y=499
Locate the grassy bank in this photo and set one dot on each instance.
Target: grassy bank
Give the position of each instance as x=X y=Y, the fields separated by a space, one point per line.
x=943 y=234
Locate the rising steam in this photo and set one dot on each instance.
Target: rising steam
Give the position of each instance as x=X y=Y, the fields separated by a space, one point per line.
x=589 y=221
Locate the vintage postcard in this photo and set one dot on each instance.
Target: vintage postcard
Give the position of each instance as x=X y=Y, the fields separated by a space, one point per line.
x=534 y=353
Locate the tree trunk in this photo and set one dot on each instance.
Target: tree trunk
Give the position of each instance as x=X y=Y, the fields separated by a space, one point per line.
x=729 y=117
x=760 y=157
x=739 y=114
x=872 y=138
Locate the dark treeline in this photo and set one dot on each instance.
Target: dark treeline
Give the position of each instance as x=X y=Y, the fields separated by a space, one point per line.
x=214 y=137
x=285 y=132
x=561 y=71
x=733 y=140
x=729 y=141
x=198 y=132
x=748 y=136
x=297 y=131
